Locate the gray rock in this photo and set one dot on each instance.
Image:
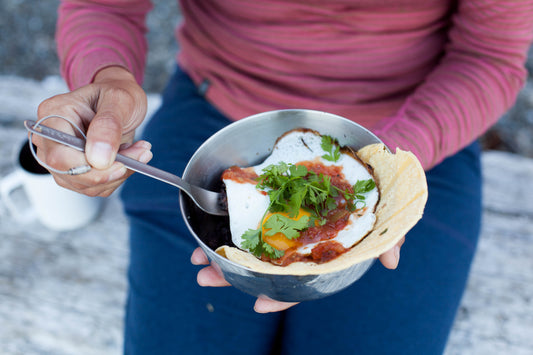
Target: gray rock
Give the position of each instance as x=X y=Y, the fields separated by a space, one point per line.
x=496 y=314
x=27 y=45
x=514 y=130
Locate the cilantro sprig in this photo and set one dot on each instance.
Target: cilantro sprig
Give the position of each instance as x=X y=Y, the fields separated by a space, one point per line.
x=291 y=188
x=253 y=242
x=289 y=227
x=331 y=147
x=356 y=199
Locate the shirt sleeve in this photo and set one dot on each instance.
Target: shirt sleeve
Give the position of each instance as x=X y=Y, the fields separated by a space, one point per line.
x=92 y=35
x=476 y=82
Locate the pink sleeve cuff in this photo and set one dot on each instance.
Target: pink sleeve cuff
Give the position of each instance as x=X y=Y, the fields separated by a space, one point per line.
x=84 y=68
x=399 y=132
x=101 y=33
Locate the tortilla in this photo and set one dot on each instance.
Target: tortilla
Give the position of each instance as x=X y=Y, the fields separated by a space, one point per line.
x=403 y=194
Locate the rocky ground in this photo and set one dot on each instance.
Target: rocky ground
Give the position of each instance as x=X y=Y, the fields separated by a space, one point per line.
x=27 y=47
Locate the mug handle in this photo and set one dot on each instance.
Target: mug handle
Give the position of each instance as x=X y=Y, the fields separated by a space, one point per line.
x=7 y=185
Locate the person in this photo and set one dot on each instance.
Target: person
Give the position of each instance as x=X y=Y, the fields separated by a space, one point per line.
x=426 y=76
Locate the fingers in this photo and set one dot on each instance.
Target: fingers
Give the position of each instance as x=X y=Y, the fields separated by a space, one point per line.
x=76 y=106
x=208 y=276
x=95 y=182
x=268 y=305
x=212 y=276
x=391 y=258
x=198 y=257
x=108 y=111
x=54 y=154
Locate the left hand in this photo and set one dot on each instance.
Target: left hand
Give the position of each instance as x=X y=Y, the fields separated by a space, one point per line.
x=212 y=276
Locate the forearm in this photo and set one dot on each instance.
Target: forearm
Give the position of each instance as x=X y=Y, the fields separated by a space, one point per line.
x=92 y=35
x=476 y=82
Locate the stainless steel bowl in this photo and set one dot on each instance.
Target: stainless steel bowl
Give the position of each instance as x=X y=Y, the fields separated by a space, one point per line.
x=247 y=142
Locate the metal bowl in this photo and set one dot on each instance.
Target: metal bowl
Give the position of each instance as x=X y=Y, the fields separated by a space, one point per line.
x=248 y=142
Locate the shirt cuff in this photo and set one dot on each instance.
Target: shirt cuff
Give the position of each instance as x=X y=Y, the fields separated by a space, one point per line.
x=84 y=68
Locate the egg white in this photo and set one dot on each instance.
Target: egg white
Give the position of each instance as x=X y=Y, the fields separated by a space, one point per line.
x=247 y=205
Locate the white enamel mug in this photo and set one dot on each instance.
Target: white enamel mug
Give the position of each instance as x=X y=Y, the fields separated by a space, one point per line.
x=55 y=207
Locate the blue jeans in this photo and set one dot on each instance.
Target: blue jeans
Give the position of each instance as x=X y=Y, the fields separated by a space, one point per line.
x=409 y=310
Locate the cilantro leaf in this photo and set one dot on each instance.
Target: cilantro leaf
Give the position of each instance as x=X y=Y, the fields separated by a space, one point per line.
x=331 y=147
x=364 y=186
x=296 y=171
x=252 y=241
x=356 y=199
x=289 y=227
x=296 y=201
x=272 y=252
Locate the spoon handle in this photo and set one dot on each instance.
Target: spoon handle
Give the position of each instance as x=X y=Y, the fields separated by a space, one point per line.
x=79 y=144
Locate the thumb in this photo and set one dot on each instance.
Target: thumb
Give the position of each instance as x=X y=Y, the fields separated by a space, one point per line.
x=120 y=105
x=103 y=139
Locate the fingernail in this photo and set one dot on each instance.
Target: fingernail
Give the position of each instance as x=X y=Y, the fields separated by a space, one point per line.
x=99 y=155
x=117 y=174
x=146 y=145
x=146 y=156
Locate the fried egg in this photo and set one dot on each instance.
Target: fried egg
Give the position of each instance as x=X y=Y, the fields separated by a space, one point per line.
x=247 y=205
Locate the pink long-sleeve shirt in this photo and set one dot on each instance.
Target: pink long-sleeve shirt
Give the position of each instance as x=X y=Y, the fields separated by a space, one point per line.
x=427 y=76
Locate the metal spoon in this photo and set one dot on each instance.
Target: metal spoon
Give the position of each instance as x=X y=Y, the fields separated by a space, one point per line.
x=209 y=201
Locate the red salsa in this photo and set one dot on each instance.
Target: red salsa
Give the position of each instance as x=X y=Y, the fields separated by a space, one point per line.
x=336 y=220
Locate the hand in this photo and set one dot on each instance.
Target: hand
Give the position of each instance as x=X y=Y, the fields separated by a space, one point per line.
x=212 y=276
x=109 y=110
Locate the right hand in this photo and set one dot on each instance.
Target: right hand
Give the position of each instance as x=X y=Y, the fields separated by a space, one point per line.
x=109 y=110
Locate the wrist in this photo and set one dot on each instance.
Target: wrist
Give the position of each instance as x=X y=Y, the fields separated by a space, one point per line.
x=114 y=72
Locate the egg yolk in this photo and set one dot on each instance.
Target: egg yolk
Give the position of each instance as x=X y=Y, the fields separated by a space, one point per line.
x=279 y=240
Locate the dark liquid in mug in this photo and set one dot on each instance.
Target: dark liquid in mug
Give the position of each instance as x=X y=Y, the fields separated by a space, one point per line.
x=28 y=162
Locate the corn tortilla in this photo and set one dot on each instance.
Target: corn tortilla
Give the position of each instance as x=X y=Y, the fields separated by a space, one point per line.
x=403 y=194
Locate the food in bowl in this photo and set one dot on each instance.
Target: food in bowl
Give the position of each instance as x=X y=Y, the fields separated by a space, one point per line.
x=313 y=206
x=309 y=200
